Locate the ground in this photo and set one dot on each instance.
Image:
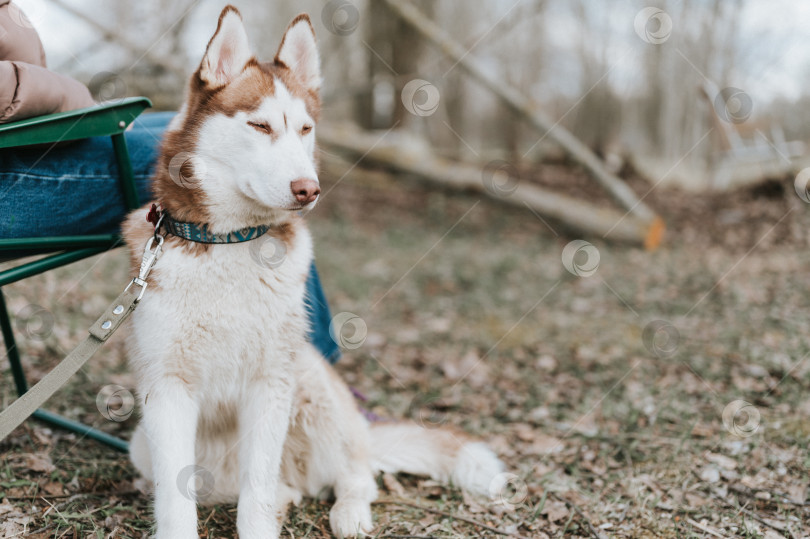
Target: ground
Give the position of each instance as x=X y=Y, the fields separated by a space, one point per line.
x=665 y=395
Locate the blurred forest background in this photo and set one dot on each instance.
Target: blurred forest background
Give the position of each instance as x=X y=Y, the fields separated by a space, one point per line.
x=630 y=83
x=659 y=393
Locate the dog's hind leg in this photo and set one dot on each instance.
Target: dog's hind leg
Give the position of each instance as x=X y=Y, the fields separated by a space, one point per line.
x=286 y=496
x=333 y=437
x=141 y=459
x=139 y=453
x=355 y=489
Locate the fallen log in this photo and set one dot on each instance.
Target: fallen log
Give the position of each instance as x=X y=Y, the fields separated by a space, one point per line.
x=526 y=108
x=359 y=146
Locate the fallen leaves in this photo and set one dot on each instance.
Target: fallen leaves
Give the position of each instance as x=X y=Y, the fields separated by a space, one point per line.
x=570 y=398
x=38 y=462
x=555 y=511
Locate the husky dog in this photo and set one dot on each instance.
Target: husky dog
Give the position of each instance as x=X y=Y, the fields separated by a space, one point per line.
x=231 y=393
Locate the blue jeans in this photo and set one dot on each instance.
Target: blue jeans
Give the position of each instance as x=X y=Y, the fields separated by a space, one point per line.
x=73 y=190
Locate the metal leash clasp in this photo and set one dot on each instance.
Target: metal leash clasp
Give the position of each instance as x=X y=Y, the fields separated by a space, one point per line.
x=150 y=256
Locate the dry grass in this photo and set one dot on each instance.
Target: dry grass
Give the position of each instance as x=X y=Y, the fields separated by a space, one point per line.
x=474 y=322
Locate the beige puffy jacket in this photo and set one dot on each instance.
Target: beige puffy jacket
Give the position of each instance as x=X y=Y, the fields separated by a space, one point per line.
x=27 y=88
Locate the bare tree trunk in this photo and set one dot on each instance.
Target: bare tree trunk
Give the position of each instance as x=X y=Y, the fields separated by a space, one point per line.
x=523 y=106
x=393 y=52
x=406 y=53
x=377 y=31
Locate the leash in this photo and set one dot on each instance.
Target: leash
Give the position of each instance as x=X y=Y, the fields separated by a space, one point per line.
x=99 y=332
x=117 y=312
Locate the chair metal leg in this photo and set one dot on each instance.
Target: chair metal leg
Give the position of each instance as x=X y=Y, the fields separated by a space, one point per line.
x=80 y=428
x=11 y=348
x=44 y=264
x=125 y=175
x=22 y=386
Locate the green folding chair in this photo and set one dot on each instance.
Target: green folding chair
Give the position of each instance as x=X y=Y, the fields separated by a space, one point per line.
x=110 y=119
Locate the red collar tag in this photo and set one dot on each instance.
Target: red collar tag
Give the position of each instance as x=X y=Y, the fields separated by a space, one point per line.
x=154 y=215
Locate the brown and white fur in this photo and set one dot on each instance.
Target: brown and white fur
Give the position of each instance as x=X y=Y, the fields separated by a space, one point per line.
x=231 y=393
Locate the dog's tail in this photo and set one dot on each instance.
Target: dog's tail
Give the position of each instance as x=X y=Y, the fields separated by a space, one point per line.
x=444 y=454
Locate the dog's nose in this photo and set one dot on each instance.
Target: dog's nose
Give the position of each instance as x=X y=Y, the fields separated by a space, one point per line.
x=305 y=190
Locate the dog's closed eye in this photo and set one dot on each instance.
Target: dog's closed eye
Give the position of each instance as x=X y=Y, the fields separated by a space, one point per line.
x=306 y=129
x=263 y=128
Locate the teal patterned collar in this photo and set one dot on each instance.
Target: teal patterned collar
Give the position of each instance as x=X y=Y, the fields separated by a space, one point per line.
x=201 y=233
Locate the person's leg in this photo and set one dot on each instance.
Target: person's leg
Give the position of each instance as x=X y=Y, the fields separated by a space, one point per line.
x=320 y=318
x=73 y=189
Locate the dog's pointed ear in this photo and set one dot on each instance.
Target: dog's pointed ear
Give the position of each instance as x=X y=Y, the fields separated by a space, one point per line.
x=299 y=52
x=228 y=51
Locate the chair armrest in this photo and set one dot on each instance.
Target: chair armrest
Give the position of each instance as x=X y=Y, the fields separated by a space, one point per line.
x=96 y=121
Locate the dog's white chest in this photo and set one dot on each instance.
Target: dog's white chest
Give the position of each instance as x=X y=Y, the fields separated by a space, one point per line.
x=223 y=316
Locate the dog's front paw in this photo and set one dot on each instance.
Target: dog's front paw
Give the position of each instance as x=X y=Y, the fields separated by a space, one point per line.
x=263 y=524
x=175 y=534
x=350 y=518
